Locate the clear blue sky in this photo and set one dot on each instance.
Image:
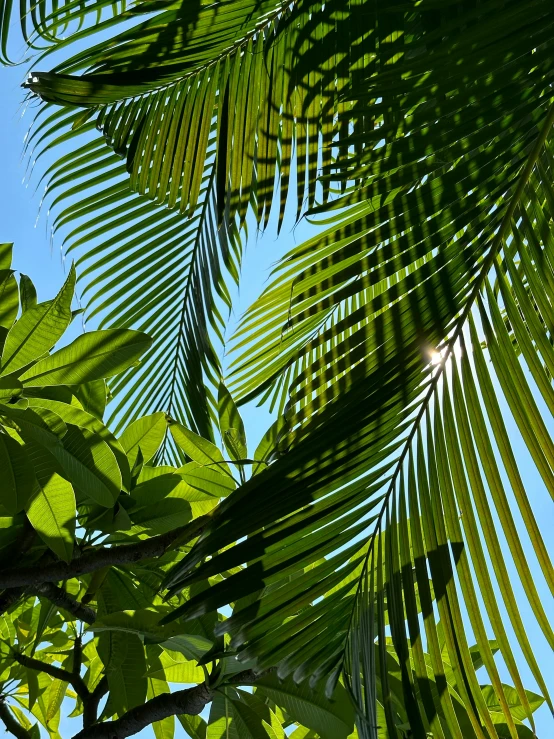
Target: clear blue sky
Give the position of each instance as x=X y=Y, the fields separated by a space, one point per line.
x=34 y=255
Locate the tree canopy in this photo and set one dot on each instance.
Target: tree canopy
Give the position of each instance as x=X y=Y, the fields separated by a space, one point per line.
x=357 y=573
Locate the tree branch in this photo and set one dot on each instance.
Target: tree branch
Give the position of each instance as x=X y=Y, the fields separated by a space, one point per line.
x=119 y=554
x=13 y=726
x=60 y=598
x=90 y=705
x=8 y=598
x=190 y=701
x=76 y=681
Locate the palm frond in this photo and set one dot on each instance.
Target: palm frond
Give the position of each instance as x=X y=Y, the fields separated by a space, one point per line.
x=372 y=518
x=144 y=265
x=268 y=74
x=240 y=94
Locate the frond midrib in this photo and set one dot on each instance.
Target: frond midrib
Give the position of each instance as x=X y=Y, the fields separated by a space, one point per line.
x=488 y=264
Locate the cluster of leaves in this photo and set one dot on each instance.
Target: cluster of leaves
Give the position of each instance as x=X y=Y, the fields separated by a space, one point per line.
x=385 y=479
x=74 y=497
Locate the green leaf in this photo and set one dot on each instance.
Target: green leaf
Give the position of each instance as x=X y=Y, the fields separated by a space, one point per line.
x=191 y=646
x=164 y=729
x=27 y=293
x=96 y=355
x=270 y=721
x=6 y=253
x=231 y=425
x=83 y=456
x=513 y=700
x=161 y=517
x=233 y=720
x=175 y=668
x=94 y=437
x=198 y=449
x=207 y=481
x=52 y=512
x=93 y=397
x=302 y=732
x=145 y=623
x=38 y=329
x=55 y=698
x=147 y=434
x=10 y=387
x=9 y=299
x=33 y=688
x=127 y=683
x=331 y=719
x=18 y=479
x=195 y=726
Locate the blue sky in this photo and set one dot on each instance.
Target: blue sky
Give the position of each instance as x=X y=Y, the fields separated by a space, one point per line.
x=35 y=255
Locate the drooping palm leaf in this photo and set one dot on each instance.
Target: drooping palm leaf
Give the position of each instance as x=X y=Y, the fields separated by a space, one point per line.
x=268 y=73
x=237 y=94
x=144 y=265
x=392 y=463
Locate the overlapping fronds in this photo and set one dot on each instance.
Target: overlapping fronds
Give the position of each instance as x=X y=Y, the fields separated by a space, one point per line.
x=47 y=25
x=269 y=75
x=244 y=96
x=396 y=444
x=143 y=265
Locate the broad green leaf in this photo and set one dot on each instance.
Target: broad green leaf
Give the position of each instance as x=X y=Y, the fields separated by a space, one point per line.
x=18 y=479
x=194 y=726
x=93 y=397
x=51 y=511
x=206 y=481
x=83 y=457
x=145 y=623
x=270 y=721
x=27 y=293
x=93 y=356
x=10 y=388
x=514 y=703
x=112 y=650
x=233 y=719
x=90 y=464
x=302 y=732
x=9 y=299
x=191 y=646
x=95 y=432
x=127 y=683
x=21 y=717
x=38 y=329
x=331 y=719
x=164 y=729
x=55 y=697
x=163 y=516
x=198 y=449
x=6 y=254
x=162 y=483
x=175 y=668
x=231 y=425
x=146 y=434
x=32 y=686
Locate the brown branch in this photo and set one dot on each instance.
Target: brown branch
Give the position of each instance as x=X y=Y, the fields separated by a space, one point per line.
x=76 y=681
x=90 y=705
x=60 y=598
x=119 y=554
x=8 y=598
x=77 y=655
x=11 y=724
x=22 y=543
x=190 y=701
